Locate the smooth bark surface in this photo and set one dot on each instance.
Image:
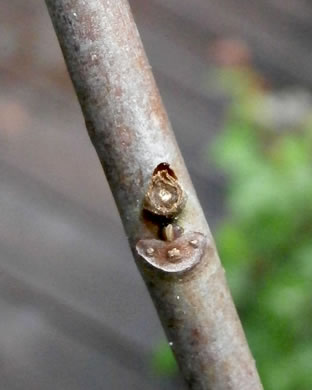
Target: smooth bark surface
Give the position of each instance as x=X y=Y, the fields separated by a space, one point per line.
x=130 y=131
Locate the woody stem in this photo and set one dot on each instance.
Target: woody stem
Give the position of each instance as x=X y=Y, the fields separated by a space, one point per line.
x=130 y=131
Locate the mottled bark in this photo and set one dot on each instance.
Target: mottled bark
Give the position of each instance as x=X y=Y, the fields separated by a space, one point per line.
x=130 y=131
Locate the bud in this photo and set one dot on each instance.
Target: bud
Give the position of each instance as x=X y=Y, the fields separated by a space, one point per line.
x=165 y=196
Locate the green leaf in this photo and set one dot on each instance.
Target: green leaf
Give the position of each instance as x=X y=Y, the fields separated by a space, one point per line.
x=163 y=362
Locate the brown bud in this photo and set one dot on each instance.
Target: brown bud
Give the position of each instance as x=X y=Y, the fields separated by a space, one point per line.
x=164 y=197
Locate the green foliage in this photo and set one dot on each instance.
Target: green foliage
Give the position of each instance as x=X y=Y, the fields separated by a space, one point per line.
x=266 y=240
x=164 y=363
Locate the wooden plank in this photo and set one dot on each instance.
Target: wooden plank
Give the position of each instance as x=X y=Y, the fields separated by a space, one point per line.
x=74 y=255
x=280 y=46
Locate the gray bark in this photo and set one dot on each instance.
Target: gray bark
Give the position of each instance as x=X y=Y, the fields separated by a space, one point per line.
x=130 y=131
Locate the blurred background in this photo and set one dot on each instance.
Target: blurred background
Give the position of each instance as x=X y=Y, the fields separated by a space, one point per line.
x=236 y=80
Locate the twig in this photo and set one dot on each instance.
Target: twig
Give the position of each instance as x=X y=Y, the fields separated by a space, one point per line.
x=130 y=131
